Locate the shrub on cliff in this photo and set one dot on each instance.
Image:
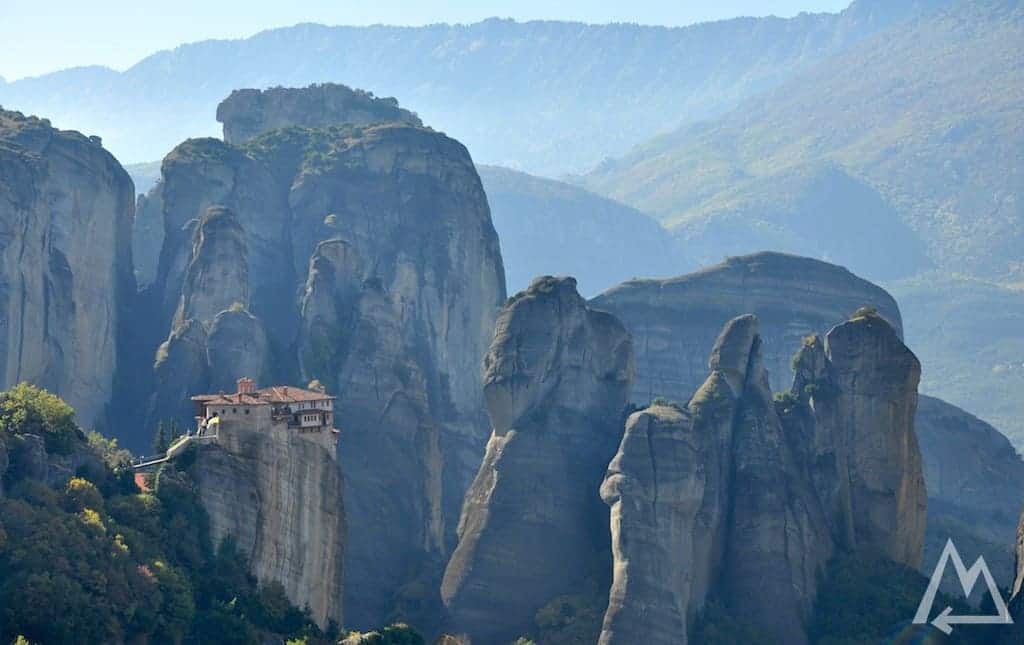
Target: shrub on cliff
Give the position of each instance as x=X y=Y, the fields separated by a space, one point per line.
x=27 y=409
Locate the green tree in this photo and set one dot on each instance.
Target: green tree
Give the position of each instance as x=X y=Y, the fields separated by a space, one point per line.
x=27 y=409
x=160 y=442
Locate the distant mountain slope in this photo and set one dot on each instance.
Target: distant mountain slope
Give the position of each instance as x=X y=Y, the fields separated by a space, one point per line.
x=545 y=96
x=969 y=336
x=549 y=227
x=929 y=115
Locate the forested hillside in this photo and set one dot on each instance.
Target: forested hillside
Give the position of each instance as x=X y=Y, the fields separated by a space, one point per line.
x=918 y=128
x=548 y=97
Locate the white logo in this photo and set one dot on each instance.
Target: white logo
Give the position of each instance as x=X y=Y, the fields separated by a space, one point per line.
x=945 y=620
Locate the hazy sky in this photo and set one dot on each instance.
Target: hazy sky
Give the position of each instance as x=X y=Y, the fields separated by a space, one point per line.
x=38 y=36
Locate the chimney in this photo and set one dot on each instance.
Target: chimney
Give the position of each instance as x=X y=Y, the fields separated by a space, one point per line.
x=246 y=385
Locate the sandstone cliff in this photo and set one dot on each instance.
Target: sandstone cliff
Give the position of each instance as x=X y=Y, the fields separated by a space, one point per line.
x=248 y=113
x=66 y=209
x=974 y=478
x=556 y=381
x=741 y=499
x=278 y=494
x=363 y=257
x=675 y=321
x=864 y=402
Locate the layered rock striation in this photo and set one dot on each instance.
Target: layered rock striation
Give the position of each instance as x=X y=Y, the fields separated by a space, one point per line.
x=249 y=113
x=278 y=494
x=741 y=499
x=556 y=381
x=66 y=209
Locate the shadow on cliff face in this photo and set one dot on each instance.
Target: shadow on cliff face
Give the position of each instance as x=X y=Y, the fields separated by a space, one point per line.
x=362 y=256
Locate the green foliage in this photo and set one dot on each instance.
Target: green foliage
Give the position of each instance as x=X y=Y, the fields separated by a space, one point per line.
x=573 y=619
x=113 y=455
x=866 y=600
x=665 y=402
x=81 y=494
x=98 y=562
x=786 y=402
x=716 y=626
x=396 y=634
x=27 y=409
x=866 y=312
x=160 y=439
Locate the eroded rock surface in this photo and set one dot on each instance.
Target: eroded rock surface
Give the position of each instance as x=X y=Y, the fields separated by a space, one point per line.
x=248 y=113
x=867 y=408
x=742 y=499
x=278 y=494
x=66 y=208
x=363 y=257
x=556 y=381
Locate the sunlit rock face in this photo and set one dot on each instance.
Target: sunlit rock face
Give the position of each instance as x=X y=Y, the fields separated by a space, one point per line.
x=249 y=113
x=278 y=494
x=361 y=256
x=742 y=499
x=66 y=208
x=556 y=381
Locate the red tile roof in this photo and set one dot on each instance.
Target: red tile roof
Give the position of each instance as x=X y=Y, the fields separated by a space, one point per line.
x=265 y=396
x=290 y=394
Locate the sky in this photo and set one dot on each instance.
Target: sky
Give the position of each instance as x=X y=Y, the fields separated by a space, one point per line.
x=40 y=36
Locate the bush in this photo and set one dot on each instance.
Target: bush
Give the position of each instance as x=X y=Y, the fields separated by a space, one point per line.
x=866 y=312
x=27 y=409
x=80 y=494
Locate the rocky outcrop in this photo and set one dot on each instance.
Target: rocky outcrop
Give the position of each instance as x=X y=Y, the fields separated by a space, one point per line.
x=864 y=416
x=741 y=499
x=237 y=346
x=248 y=113
x=675 y=321
x=363 y=257
x=217 y=275
x=66 y=209
x=278 y=494
x=556 y=381
x=147 y=235
x=975 y=483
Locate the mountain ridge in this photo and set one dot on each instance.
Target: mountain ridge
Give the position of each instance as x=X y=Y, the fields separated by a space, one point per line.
x=471 y=80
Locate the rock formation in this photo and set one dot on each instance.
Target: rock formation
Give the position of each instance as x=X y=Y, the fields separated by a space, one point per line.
x=556 y=381
x=975 y=483
x=66 y=209
x=278 y=494
x=248 y=113
x=864 y=402
x=147 y=235
x=1017 y=591
x=675 y=321
x=360 y=256
x=741 y=499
